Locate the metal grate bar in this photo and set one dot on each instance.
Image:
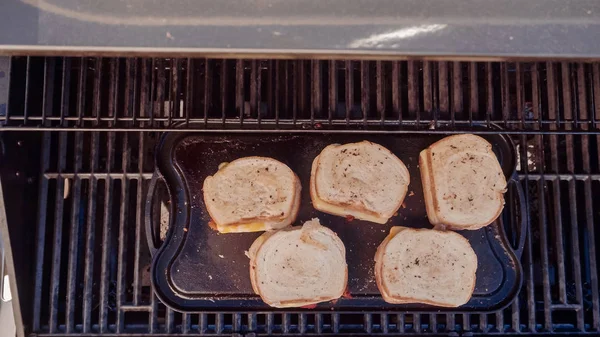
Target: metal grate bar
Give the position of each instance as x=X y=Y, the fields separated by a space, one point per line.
x=413 y=91
x=175 y=84
x=427 y=89
x=527 y=250
x=594 y=284
x=316 y=108
x=542 y=209
x=450 y=322
x=97 y=89
x=396 y=97
x=318 y=324
x=236 y=322
x=444 y=90
x=500 y=321
x=520 y=94
x=516 y=315
x=558 y=227
x=48 y=96
x=380 y=87
x=207 y=90
x=333 y=91
x=400 y=318
x=239 y=97
x=457 y=93
x=271 y=89
x=8 y=104
x=466 y=322
x=252 y=324
x=596 y=95
x=505 y=94
x=300 y=93
x=568 y=86
x=483 y=323
x=145 y=86
x=589 y=219
x=65 y=92
x=189 y=85
x=364 y=90
x=367 y=323
x=57 y=245
x=417 y=322
x=161 y=82
x=349 y=90
x=290 y=90
x=219 y=324
x=474 y=90
x=384 y=323
x=223 y=90
x=490 y=92
x=113 y=99
x=530 y=286
x=81 y=93
x=335 y=323
x=138 y=225
x=277 y=89
x=131 y=83
x=106 y=235
x=122 y=245
x=169 y=320
x=41 y=234
x=186 y=324
x=75 y=232
x=435 y=113
x=256 y=90
x=153 y=319
x=269 y=323
x=433 y=327
x=27 y=85
x=90 y=234
x=285 y=323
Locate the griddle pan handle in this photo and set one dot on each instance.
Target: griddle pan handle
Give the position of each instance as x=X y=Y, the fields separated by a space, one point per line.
x=523 y=223
x=151 y=235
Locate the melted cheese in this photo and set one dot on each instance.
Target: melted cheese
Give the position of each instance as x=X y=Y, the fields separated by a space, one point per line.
x=247 y=227
x=323 y=206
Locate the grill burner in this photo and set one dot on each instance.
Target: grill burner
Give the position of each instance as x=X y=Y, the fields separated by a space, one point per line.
x=85 y=133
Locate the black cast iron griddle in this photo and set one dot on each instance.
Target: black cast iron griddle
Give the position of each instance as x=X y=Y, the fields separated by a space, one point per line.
x=197 y=268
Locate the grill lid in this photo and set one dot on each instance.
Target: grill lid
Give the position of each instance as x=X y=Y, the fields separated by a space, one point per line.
x=489 y=29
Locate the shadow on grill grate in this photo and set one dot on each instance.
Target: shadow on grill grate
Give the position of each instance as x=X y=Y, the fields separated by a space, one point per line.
x=88 y=181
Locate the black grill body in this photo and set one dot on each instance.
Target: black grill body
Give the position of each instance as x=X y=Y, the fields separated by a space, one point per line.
x=77 y=156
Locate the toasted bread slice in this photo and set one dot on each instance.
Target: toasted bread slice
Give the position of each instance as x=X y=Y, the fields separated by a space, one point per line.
x=363 y=180
x=463 y=182
x=425 y=266
x=298 y=266
x=252 y=194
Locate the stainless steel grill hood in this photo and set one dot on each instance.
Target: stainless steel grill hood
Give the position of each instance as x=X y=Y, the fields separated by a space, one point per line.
x=434 y=28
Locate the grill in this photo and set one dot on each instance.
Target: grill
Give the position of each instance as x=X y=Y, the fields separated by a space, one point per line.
x=78 y=143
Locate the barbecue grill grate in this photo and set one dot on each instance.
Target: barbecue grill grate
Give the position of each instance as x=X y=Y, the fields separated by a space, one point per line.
x=88 y=174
